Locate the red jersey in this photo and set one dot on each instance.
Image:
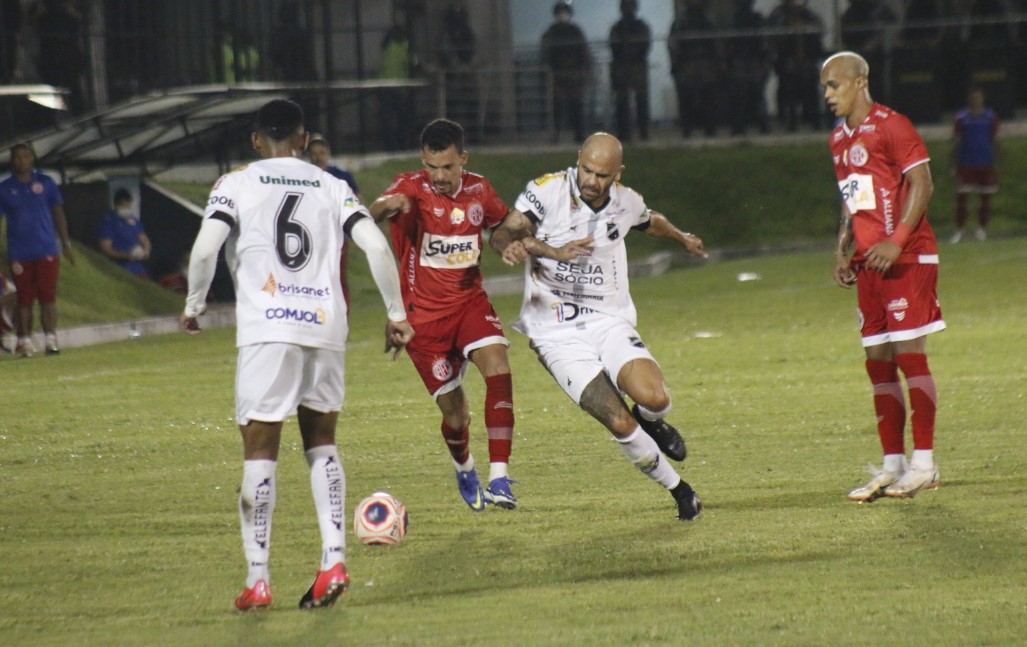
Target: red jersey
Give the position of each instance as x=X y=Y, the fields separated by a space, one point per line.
x=870 y=163
x=438 y=242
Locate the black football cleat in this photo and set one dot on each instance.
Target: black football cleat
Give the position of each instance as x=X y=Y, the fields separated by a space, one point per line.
x=666 y=436
x=689 y=504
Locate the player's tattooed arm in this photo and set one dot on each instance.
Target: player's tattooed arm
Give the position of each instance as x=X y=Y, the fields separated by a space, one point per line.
x=844 y=275
x=661 y=227
x=514 y=240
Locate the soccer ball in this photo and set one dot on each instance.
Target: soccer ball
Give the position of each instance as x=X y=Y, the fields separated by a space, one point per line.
x=380 y=519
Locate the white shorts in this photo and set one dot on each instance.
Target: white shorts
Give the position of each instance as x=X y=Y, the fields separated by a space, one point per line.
x=273 y=379
x=576 y=357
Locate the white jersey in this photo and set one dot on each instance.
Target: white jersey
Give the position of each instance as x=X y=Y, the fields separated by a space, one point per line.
x=289 y=221
x=561 y=295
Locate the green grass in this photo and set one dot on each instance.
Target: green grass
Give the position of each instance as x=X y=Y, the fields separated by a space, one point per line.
x=121 y=463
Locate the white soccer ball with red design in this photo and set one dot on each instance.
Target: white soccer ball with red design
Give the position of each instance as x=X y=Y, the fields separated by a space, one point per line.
x=380 y=519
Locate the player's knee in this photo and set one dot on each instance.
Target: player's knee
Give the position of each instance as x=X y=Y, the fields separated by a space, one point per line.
x=656 y=399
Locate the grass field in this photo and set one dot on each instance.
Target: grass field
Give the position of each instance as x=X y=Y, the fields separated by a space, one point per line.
x=120 y=466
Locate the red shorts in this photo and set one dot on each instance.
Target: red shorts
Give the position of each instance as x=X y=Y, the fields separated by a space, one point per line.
x=36 y=280
x=977 y=179
x=440 y=347
x=900 y=305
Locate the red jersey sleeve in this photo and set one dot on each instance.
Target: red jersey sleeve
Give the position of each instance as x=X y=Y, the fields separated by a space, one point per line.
x=908 y=148
x=402 y=184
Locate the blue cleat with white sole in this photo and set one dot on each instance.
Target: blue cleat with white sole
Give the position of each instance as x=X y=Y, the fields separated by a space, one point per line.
x=470 y=489
x=498 y=493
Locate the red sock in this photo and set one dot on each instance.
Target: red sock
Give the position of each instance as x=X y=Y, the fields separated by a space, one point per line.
x=923 y=397
x=457 y=441
x=499 y=416
x=889 y=404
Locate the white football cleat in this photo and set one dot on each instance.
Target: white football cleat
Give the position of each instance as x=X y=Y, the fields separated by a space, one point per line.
x=874 y=489
x=913 y=481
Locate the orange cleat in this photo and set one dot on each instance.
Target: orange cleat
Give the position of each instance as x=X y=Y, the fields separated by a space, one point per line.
x=259 y=597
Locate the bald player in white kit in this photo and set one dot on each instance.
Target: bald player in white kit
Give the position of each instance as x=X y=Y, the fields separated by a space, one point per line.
x=570 y=226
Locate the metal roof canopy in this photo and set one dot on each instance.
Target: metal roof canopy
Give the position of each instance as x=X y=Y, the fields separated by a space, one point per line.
x=161 y=128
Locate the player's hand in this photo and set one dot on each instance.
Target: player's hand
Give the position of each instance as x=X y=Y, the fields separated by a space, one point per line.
x=394 y=204
x=574 y=249
x=69 y=255
x=694 y=246
x=397 y=335
x=189 y=324
x=843 y=274
x=881 y=256
x=515 y=253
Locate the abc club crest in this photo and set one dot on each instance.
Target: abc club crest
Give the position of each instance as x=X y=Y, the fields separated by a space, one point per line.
x=858 y=155
x=475 y=214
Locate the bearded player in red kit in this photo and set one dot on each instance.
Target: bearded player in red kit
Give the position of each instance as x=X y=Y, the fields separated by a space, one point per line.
x=436 y=216
x=882 y=168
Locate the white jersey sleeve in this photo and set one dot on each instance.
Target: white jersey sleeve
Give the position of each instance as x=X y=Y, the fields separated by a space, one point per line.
x=289 y=222
x=560 y=295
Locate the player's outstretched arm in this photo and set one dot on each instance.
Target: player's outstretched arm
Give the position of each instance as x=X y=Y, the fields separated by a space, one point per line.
x=507 y=239
x=202 y=264
x=514 y=240
x=387 y=206
x=372 y=242
x=661 y=227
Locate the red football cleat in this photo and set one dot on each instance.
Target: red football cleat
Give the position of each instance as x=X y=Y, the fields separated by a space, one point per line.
x=259 y=597
x=328 y=585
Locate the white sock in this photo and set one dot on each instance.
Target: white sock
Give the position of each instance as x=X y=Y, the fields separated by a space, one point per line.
x=498 y=471
x=643 y=453
x=465 y=467
x=894 y=463
x=653 y=416
x=256 y=506
x=328 y=485
x=923 y=459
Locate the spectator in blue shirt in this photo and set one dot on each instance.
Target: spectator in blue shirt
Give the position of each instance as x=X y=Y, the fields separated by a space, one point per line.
x=122 y=238
x=34 y=209
x=976 y=150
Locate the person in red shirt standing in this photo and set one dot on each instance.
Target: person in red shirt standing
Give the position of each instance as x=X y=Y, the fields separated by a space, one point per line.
x=882 y=168
x=436 y=217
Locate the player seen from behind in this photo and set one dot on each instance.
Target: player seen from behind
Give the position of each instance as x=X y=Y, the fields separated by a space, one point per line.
x=578 y=311
x=285 y=222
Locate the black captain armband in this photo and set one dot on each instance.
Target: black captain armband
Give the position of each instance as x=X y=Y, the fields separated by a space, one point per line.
x=223 y=217
x=347 y=226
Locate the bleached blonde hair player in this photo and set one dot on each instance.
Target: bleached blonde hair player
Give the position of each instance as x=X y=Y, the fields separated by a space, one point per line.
x=884 y=177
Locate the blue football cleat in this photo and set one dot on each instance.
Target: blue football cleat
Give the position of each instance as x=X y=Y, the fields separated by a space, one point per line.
x=499 y=494
x=470 y=490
